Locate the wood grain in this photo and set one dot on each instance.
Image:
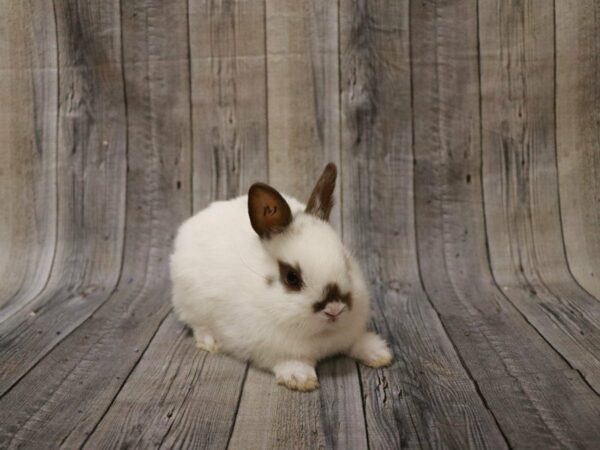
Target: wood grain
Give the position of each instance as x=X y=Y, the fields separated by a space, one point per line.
x=520 y=184
x=200 y=391
x=497 y=345
x=303 y=122
x=91 y=165
x=578 y=140
x=551 y=426
x=28 y=139
x=303 y=93
x=342 y=415
x=426 y=398
x=271 y=416
x=195 y=406
x=60 y=401
x=229 y=103
x=466 y=138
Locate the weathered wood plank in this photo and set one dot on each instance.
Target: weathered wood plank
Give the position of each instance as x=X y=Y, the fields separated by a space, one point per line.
x=303 y=113
x=173 y=399
x=547 y=392
x=28 y=127
x=578 y=140
x=521 y=182
x=303 y=93
x=502 y=352
x=90 y=180
x=200 y=391
x=272 y=416
x=231 y=57
x=227 y=45
x=426 y=398
x=60 y=401
x=86 y=348
x=342 y=415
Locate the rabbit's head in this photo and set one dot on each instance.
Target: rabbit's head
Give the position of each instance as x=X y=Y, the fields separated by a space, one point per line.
x=321 y=282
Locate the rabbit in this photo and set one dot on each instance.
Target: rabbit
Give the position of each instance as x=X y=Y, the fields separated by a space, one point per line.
x=265 y=278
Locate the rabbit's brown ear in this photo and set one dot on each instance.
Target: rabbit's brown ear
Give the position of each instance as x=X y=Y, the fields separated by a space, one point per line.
x=321 y=199
x=269 y=212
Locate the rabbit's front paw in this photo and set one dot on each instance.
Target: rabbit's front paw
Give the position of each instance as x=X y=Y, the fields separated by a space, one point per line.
x=296 y=375
x=205 y=340
x=372 y=351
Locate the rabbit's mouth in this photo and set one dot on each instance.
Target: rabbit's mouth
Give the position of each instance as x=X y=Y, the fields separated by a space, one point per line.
x=333 y=311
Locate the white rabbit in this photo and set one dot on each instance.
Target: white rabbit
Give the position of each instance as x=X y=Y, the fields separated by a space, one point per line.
x=266 y=279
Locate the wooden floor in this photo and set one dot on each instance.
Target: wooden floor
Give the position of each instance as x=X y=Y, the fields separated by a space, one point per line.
x=466 y=134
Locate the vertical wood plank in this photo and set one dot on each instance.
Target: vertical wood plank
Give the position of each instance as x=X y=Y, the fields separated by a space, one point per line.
x=342 y=415
x=229 y=77
x=517 y=75
x=414 y=403
x=197 y=396
x=61 y=400
x=96 y=174
x=303 y=105
x=521 y=182
x=91 y=165
x=28 y=127
x=286 y=419
x=303 y=93
x=227 y=45
x=578 y=141
x=303 y=113
x=200 y=392
x=503 y=353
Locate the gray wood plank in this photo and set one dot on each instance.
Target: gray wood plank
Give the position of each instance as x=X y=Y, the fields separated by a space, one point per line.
x=560 y=397
x=227 y=45
x=502 y=351
x=173 y=398
x=303 y=93
x=28 y=127
x=303 y=114
x=201 y=392
x=91 y=164
x=426 y=398
x=519 y=163
x=491 y=303
x=60 y=401
x=272 y=416
x=578 y=141
x=342 y=415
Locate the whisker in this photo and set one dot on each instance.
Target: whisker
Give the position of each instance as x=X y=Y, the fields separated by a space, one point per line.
x=264 y=277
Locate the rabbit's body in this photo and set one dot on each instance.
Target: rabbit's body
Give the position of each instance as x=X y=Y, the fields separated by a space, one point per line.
x=226 y=283
x=275 y=298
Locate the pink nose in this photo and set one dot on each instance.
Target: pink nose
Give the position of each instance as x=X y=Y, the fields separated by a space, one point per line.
x=334 y=309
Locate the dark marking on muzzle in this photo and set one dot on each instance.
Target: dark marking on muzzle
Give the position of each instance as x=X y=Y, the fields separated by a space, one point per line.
x=332 y=294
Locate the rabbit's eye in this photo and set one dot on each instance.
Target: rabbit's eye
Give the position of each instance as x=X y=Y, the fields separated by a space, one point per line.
x=291 y=277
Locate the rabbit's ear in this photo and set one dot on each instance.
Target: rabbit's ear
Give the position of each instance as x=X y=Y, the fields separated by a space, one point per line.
x=321 y=199
x=269 y=212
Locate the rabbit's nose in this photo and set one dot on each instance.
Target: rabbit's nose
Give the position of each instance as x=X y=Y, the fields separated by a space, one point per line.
x=334 y=309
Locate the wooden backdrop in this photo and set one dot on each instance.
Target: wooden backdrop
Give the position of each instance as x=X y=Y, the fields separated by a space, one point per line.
x=467 y=134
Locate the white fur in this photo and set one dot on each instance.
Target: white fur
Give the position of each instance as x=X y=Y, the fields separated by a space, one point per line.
x=227 y=288
x=371 y=350
x=297 y=375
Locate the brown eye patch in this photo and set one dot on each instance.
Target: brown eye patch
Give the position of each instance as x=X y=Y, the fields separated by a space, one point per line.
x=291 y=276
x=332 y=294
